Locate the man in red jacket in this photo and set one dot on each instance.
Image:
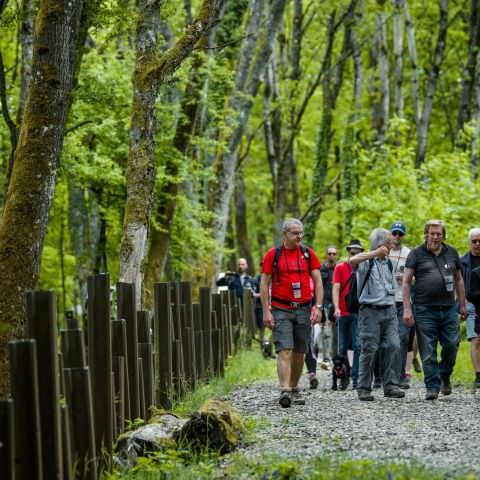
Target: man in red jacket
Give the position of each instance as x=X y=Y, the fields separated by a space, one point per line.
x=288 y=270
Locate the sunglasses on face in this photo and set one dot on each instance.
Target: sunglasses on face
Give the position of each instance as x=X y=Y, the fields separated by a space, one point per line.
x=398 y=234
x=332 y=253
x=476 y=242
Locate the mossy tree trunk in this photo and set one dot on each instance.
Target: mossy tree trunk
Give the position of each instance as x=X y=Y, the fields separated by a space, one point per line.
x=149 y=74
x=246 y=87
x=32 y=184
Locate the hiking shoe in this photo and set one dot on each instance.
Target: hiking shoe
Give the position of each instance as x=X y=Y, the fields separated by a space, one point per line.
x=431 y=395
x=365 y=396
x=394 y=392
x=285 y=398
x=377 y=383
x=445 y=386
x=313 y=381
x=297 y=397
x=476 y=383
x=416 y=365
x=405 y=382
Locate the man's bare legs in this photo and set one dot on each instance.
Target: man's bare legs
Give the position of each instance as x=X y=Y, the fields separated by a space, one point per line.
x=289 y=368
x=284 y=368
x=475 y=354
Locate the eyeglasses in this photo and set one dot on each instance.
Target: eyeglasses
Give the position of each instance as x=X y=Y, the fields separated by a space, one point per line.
x=295 y=234
x=331 y=253
x=476 y=242
x=397 y=234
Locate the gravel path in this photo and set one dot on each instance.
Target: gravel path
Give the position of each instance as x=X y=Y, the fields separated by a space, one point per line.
x=443 y=434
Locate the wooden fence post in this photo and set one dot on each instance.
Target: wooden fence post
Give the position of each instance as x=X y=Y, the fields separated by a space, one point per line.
x=42 y=327
x=198 y=333
x=119 y=391
x=119 y=349
x=206 y=321
x=67 y=442
x=163 y=344
x=186 y=299
x=79 y=399
x=7 y=440
x=24 y=390
x=73 y=348
x=126 y=309
x=100 y=360
x=145 y=352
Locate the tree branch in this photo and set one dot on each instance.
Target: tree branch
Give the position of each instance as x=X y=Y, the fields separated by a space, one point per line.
x=319 y=199
x=174 y=56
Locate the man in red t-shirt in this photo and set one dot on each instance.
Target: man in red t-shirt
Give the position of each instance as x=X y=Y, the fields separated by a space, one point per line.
x=288 y=310
x=346 y=322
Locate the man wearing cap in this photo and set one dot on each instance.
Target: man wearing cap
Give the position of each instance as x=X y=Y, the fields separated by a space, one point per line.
x=346 y=321
x=437 y=270
x=377 y=317
x=398 y=256
x=289 y=271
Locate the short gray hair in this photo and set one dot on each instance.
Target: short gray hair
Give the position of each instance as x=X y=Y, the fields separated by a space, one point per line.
x=289 y=222
x=378 y=237
x=473 y=232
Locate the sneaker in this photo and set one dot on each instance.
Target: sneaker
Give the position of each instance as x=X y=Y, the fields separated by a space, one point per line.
x=377 y=383
x=297 y=397
x=405 y=382
x=313 y=381
x=285 y=398
x=365 y=396
x=394 y=392
x=431 y=395
x=416 y=365
x=445 y=386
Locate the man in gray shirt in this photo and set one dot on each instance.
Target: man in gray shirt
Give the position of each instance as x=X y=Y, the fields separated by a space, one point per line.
x=377 y=318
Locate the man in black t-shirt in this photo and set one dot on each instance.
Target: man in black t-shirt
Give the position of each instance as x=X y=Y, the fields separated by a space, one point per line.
x=436 y=268
x=469 y=262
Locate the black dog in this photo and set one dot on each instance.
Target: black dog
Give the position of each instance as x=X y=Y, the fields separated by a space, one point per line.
x=339 y=372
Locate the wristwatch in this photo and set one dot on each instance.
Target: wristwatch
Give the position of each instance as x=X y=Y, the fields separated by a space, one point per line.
x=319 y=306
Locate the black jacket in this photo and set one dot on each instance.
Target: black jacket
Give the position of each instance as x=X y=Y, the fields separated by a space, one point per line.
x=471 y=279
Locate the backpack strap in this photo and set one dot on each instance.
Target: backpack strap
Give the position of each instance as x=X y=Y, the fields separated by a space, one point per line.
x=306 y=254
x=275 y=270
x=370 y=266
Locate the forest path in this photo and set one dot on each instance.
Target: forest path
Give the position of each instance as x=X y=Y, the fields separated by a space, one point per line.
x=442 y=434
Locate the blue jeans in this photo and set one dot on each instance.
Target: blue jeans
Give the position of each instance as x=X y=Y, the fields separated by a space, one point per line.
x=348 y=333
x=435 y=325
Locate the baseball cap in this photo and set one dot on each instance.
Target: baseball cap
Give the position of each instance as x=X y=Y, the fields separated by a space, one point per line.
x=398 y=227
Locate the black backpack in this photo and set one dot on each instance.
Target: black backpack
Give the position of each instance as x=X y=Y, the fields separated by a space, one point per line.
x=351 y=300
x=278 y=251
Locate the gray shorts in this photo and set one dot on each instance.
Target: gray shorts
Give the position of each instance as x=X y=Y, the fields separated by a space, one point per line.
x=291 y=330
x=471 y=322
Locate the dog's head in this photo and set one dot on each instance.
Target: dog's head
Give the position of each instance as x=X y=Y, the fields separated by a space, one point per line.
x=339 y=366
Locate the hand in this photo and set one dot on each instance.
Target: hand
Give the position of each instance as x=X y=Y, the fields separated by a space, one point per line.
x=381 y=252
x=268 y=319
x=408 y=317
x=315 y=315
x=463 y=312
x=337 y=313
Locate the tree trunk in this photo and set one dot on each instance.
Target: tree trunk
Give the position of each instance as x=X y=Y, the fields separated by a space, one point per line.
x=398 y=55
x=34 y=173
x=412 y=51
x=331 y=84
x=241 y=229
x=384 y=78
x=148 y=76
x=476 y=120
x=240 y=105
x=469 y=76
x=431 y=84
